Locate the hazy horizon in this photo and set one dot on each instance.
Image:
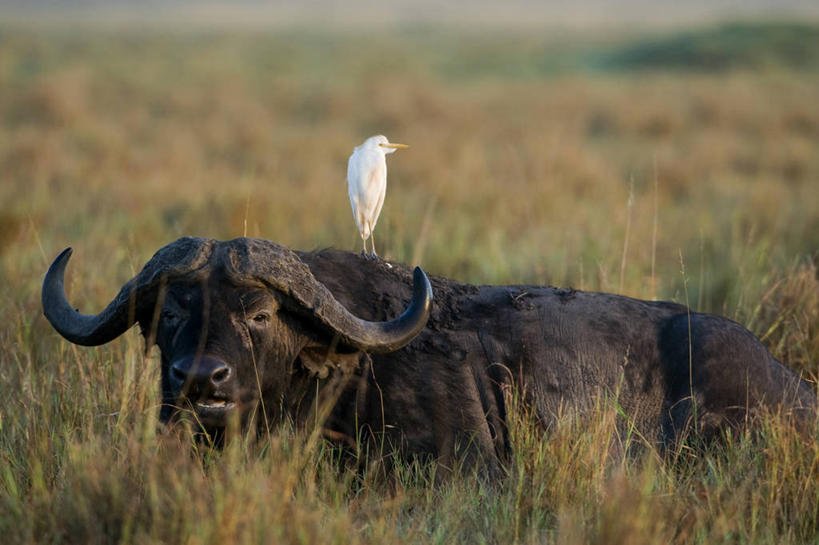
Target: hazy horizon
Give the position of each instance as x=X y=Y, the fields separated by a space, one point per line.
x=363 y=13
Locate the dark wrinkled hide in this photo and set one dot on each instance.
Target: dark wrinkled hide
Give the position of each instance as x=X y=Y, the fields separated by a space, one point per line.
x=562 y=349
x=443 y=394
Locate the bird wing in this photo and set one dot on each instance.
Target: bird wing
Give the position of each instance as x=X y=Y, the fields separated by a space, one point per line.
x=376 y=192
x=360 y=188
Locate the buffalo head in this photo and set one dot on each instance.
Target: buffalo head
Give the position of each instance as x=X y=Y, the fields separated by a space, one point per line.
x=234 y=321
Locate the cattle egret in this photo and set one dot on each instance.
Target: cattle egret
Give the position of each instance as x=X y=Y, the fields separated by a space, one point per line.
x=367 y=184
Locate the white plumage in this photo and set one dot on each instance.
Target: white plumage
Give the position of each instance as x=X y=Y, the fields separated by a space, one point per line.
x=367 y=184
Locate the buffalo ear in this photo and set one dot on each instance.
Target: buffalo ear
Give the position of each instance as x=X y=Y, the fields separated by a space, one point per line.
x=321 y=359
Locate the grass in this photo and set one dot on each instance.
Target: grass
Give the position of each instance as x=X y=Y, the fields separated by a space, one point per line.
x=524 y=168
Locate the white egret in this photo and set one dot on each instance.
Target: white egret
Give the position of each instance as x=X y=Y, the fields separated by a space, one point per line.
x=367 y=184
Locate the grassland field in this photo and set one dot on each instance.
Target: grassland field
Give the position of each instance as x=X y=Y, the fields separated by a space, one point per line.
x=537 y=157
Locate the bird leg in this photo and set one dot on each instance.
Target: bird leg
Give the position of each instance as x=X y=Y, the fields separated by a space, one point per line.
x=372 y=243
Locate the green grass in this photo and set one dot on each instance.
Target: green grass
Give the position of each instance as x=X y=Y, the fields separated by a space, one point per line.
x=522 y=167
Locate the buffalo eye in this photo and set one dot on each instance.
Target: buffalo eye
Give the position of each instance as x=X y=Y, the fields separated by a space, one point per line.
x=169 y=316
x=261 y=318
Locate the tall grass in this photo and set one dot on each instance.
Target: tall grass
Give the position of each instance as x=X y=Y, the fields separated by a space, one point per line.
x=117 y=143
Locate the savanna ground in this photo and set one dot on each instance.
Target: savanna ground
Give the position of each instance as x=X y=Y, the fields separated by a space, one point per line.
x=550 y=158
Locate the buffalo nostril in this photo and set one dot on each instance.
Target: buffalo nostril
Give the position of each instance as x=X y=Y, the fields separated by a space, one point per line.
x=178 y=374
x=220 y=375
x=196 y=377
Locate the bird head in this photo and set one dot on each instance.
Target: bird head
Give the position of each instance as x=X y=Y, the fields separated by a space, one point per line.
x=383 y=144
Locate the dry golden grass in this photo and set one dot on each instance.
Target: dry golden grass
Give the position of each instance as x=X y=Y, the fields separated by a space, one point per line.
x=117 y=143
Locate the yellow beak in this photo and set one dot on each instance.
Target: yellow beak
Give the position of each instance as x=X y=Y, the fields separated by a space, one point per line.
x=394 y=146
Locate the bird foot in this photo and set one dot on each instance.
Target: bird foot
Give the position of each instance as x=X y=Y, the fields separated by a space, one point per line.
x=368 y=256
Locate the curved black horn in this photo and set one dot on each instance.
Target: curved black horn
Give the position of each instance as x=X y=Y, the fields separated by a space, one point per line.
x=71 y=324
x=244 y=259
x=383 y=337
x=282 y=270
x=180 y=257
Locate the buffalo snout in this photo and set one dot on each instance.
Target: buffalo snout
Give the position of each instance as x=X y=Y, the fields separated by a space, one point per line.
x=207 y=384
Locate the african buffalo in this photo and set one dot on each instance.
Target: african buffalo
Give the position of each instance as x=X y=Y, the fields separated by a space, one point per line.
x=248 y=327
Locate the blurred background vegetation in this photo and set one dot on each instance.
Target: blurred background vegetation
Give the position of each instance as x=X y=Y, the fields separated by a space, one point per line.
x=670 y=161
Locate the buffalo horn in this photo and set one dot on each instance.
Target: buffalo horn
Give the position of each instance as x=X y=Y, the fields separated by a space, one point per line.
x=181 y=257
x=380 y=337
x=244 y=260
x=281 y=269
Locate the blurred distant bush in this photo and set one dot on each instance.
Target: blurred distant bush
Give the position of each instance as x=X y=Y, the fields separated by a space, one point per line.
x=727 y=47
